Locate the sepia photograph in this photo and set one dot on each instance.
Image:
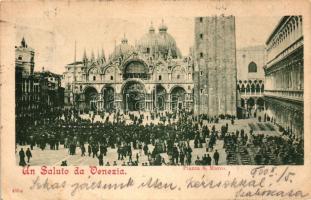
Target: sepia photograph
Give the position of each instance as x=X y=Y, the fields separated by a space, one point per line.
x=209 y=90
x=155 y=100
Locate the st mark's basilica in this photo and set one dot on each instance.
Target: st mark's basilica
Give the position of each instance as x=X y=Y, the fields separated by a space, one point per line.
x=152 y=75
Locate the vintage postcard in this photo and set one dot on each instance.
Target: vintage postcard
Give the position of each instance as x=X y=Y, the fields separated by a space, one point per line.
x=155 y=100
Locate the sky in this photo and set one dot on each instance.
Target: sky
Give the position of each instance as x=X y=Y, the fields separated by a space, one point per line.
x=54 y=42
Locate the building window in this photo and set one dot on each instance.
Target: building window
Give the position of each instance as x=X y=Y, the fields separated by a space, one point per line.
x=201 y=36
x=80 y=87
x=201 y=73
x=178 y=76
x=252 y=67
x=201 y=55
x=20 y=57
x=160 y=78
x=201 y=91
x=94 y=78
x=111 y=78
x=189 y=87
x=201 y=19
x=148 y=50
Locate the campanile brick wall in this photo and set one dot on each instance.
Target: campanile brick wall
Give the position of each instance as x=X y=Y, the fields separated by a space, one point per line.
x=215 y=72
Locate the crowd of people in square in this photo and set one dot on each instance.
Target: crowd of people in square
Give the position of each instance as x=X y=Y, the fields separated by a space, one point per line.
x=172 y=135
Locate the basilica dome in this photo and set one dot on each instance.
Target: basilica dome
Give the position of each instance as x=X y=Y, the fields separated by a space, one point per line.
x=160 y=42
x=148 y=41
x=122 y=50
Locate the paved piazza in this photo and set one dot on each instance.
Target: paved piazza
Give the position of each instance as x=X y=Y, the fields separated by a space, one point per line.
x=55 y=157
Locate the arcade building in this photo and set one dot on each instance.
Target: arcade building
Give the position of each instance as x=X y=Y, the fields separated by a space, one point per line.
x=284 y=77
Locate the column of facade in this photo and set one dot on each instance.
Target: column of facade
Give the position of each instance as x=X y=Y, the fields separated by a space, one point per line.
x=295 y=29
x=279 y=83
x=286 y=78
x=283 y=78
x=168 y=102
x=299 y=79
x=245 y=103
x=293 y=76
x=301 y=74
x=300 y=25
x=276 y=79
x=100 y=102
x=296 y=81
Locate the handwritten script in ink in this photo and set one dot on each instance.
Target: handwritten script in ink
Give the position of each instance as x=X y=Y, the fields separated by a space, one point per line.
x=262 y=181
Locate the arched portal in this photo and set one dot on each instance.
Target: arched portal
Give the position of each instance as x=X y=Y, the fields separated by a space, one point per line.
x=178 y=97
x=90 y=98
x=262 y=88
x=135 y=69
x=253 y=89
x=248 y=88
x=159 y=97
x=108 y=93
x=242 y=88
x=242 y=103
x=258 y=88
x=134 y=96
x=250 y=103
x=260 y=102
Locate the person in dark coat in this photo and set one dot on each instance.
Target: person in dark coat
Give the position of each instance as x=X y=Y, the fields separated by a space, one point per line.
x=89 y=150
x=182 y=158
x=100 y=159
x=208 y=160
x=216 y=157
x=22 y=158
x=28 y=154
x=145 y=148
x=82 y=150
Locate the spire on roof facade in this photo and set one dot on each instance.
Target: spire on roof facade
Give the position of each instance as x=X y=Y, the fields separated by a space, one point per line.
x=124 y=39
x=151 y=28
x=23 y=43
x=169 y=54
x=98 y=56
x=92 y=56
x=162 y=27
x=84 y=56
x=102 y=55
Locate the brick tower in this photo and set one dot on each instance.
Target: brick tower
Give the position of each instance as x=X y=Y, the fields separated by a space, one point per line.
x=215 y=65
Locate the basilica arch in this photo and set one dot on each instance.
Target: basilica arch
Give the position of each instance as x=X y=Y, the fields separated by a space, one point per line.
x=178 y=98
x=108 y=93
x=159 y=97
x=134 y=96
x=135 y=69
x=91 y=98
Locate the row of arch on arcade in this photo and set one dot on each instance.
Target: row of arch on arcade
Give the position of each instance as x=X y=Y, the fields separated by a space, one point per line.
x=252 y=103
x=251 y=87
x=134 y=98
